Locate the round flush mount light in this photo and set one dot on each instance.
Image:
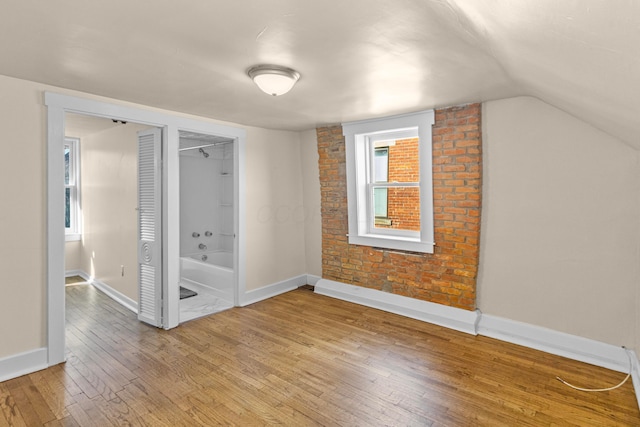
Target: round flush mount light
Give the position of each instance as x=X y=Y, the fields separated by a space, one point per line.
x=273 y=79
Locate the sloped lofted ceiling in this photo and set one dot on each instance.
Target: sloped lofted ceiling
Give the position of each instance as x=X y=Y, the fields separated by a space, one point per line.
x=358 y=58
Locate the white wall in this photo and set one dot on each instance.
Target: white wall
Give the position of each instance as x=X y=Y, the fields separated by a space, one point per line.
x=22 y=217
x=109 y=174
x=72 y=250
x=560 y=215
x=275 y=207
x=275 y=237
x=311 y=200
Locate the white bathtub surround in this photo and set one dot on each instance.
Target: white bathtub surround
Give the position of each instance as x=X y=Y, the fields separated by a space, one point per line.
x=220 y=258
x=206 y=194
x=215 y=273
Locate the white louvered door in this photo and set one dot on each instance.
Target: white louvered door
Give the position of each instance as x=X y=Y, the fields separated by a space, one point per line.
x=149 y=226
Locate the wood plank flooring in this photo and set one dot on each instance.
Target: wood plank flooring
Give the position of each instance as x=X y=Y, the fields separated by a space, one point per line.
x=301 y=359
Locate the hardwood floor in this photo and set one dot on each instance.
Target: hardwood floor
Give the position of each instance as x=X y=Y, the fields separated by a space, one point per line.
x=301 y=359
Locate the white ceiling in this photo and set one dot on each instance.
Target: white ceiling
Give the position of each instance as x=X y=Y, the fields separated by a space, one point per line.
x=358 y=58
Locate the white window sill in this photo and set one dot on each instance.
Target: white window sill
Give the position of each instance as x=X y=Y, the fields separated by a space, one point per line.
x=72 y=237
x=392 y=242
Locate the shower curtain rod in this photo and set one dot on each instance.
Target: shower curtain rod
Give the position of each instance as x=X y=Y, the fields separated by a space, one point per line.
x=205 y=145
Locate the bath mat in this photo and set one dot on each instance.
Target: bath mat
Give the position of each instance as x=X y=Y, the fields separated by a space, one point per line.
x=187 y=293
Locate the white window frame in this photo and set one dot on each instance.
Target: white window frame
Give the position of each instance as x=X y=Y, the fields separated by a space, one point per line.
x=361 y=138
x=74 y=232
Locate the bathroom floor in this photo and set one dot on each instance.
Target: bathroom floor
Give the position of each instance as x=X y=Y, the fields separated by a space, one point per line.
x=205 y=303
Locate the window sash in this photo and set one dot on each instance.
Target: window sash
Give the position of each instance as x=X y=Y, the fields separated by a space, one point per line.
x=371 y=213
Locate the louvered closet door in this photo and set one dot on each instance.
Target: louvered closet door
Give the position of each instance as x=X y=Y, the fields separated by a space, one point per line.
x=149 y=226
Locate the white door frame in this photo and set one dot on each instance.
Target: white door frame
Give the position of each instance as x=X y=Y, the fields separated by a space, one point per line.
x=57 y=106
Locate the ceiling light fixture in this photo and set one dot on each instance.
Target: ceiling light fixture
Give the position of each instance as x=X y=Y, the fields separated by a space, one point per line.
x=273 y=79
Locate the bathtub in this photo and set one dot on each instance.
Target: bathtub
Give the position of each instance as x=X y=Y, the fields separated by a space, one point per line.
x=215 y=272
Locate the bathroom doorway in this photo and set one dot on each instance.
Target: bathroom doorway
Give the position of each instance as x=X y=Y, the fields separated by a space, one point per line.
x=207 y=212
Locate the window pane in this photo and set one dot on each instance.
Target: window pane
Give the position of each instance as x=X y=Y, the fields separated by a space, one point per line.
x=403 y=208
x=404 y=161
x=67 y=208
x=380 y=202
x=381 y=165
x=67 y=163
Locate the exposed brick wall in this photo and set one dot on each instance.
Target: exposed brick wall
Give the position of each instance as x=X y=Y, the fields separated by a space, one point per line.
x=448 y=276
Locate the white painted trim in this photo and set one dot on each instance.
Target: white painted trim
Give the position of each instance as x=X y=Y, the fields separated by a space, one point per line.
x=239 y=218
x=449 y=317
x=635 y=374
x=23 y=363
x=71 y=273
x=357 y=136
x=312 y=280
x=55 y=236
x=555 y=342
x=115 y=295
x=272 y=290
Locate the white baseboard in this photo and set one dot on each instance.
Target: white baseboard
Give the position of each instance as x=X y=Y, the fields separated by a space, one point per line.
x=23 y=363
x=272 y=290
x=312 y=280
x=449 y=317
x=70 y=273
x=562 y=344
x=115 y=295
x=555 y=342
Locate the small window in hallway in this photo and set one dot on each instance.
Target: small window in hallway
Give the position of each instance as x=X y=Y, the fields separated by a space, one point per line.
x=72 y=189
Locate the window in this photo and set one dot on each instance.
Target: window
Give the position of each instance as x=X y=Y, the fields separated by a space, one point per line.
x=71 y=189
x=389 y=182
x=380 y=194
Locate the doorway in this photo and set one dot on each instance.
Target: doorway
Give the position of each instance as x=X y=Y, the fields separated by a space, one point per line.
x=101 y=216
x=57 y=106
x=207 y=211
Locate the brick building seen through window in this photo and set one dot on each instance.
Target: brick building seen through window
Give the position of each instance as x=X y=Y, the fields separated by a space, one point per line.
x=397 y=207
